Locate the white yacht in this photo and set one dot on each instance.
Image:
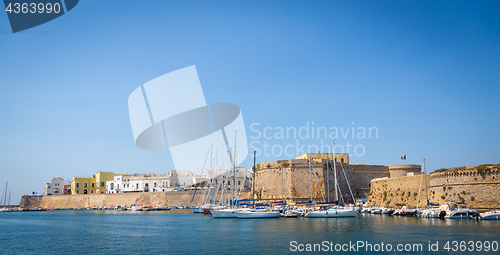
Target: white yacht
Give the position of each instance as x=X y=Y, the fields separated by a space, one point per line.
x=136 y=208
x=491 y=215
x=452 y=210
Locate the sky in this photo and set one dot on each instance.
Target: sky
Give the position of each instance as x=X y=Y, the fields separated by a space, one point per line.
x=425 y=75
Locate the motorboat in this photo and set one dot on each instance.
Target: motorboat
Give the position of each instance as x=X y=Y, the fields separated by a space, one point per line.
x=136 y=208
x=452 y=210
x=491 y=215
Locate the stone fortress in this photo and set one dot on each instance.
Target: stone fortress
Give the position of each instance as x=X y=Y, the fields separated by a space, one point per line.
x=476 y=186
x=292 y=179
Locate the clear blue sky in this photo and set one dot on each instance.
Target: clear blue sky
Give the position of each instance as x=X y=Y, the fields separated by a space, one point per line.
x=425 y=73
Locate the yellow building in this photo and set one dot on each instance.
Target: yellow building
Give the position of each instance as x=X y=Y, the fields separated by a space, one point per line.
x=339 y=157
x=101 y=179
x=81 y=185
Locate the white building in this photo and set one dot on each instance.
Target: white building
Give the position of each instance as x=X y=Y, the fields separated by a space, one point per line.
x=125 y=183
x=174 y=180
x=55 y=186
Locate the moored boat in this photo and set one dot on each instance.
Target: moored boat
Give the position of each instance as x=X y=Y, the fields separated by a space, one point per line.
x=223 y=213
x=332 y=213
x=452 y=210
x=257 y=214
x=491 y=215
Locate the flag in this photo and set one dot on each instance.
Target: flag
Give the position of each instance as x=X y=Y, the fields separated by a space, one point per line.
x=403 y=157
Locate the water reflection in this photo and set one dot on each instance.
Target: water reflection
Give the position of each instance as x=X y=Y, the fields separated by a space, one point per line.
x=180 y=231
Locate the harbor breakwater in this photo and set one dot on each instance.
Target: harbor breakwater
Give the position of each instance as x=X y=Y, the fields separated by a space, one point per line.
x=169 y=198
x=477 y=186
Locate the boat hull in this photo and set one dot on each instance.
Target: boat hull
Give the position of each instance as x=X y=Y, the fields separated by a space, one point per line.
x=224 y=213
x=459 y=215
x=196 y=210
x=490 y=216
x=257 y=215
x=332 y=214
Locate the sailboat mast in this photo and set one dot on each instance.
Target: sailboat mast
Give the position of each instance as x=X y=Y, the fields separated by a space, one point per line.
x=310 y=179
x=253 y=185
x=282 y=182
x=327 y=178
x=234 y=171
x=426 y=194
x=335 y=171
x=5 y=199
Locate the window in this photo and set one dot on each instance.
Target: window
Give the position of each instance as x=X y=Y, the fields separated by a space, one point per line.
x=92 y=191
x=155 y=185
x=78 y=185
x=92 y=185
x=117 y=186
x=85 y=185
x=77 y=191
x=239 y=182
x=228 y=182
x=102 y=184
x=176 y=184
x=112 y=186
x=342 y=160
x=137 y=186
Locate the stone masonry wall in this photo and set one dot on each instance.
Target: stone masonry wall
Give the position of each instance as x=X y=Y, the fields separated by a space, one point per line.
x=477 y=186
x=403 y=190
x=297 y=181
x=171 y=198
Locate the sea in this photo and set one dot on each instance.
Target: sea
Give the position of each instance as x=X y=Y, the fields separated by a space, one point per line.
x=182 y=232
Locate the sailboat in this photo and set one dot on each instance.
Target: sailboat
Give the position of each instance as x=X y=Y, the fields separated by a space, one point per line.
x=4 y=198
x=199 y=208
x=256 y=213
x=224 y=212
x=335 y=212
x=427 y=212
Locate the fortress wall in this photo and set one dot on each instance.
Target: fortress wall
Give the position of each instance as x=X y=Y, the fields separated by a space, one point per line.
x=363 y=174
x=297 y=181
x=171 y=198
x=403 y=190
x=477 y=188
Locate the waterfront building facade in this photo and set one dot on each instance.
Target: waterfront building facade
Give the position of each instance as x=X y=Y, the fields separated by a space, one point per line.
x=101 y=179
x=55 y=186
x=83 y=185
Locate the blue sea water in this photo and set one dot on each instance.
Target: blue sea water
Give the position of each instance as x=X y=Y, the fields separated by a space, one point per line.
x=182 y=232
